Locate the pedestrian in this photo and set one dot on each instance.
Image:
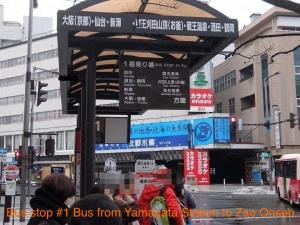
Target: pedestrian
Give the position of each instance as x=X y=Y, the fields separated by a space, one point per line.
x=50 y=197
x=125 y=202
x=95 y=209
x=186 y=199
x=161 y=187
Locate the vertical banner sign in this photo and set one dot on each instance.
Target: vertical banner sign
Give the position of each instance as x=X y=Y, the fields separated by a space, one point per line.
x=221 y=131
x=277 y=129
x=203 y=175
x=153 y=84
x=190 y=163
x=201 y=92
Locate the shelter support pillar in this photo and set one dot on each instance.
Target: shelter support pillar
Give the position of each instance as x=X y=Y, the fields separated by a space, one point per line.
x=88 y=114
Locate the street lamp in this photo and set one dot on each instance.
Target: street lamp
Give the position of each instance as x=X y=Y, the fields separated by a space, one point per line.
x=267 y=134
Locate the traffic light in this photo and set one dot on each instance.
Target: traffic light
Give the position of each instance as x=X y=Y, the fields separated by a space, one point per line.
x=49 y=145
x=41 y=93
x=18 y=156
x=292 y=120
x=35 y=4
x=233 y=121
x=31 y=154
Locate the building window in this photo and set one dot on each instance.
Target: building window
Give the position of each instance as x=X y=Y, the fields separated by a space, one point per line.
x=18 y=99
x=231 y=106
x=219 y=107
x=8 y=143
x=60 y=141
x=248 y=102
x=297 y=77
x=70 y=139
x=1 y=141
x=12 y=81
x=35 y=57
x=44 y=75
x=246 y=73
x=17 y=141
x=225 y=82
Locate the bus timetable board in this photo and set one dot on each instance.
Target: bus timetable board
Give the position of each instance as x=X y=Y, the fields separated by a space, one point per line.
x=153 y=84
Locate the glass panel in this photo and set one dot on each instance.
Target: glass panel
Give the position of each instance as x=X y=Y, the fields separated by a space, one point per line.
x=297 y=86
x=2 y=141
x=70 y=138
x=60 y=141
x=8 y=143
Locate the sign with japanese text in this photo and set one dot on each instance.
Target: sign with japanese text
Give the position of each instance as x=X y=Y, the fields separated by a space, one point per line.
x=10 y=188
x=11 y=172
x=142 y=165
x=201 y=100
x=221 y=130
x=203 y=175
x=196 y=164
x=190 y=163
x=201 y=92
x=154 y=135
x=203 y=132
x=153 y=84
x=146 y=24
x=3 y=152
x=57 y=169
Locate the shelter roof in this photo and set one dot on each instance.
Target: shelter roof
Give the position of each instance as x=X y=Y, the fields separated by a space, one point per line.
x=158 y=29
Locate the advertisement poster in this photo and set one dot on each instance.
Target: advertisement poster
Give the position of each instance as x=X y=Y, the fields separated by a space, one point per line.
x=201 y=91
x=196 y=165
x=203 y=177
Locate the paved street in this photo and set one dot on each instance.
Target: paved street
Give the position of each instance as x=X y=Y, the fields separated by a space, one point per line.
x=228 y=208
x=218 y=205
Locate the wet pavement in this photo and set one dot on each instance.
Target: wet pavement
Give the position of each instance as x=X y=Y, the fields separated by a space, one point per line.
x=214 y=208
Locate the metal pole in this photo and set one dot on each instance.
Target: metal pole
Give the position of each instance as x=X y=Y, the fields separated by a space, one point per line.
x=82 y=136
x=26 y=117
x=31 y=131
x=90 y=128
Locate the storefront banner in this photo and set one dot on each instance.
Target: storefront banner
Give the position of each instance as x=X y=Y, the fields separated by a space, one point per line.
x=201 y=100
x=190 y=163
x=203 y=175
x=221 y=130
x=203 y=132
x=154 y=135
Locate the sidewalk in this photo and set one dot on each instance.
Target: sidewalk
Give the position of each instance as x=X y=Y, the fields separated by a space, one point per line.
x=232 y=188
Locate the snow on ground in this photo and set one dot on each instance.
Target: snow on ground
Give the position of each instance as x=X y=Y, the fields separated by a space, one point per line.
x=252 y=190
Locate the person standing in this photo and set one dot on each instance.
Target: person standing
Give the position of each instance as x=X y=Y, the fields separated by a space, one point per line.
x=51 y=196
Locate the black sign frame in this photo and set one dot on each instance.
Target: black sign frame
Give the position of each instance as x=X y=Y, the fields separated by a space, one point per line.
x=146 y=83
x=134 y=23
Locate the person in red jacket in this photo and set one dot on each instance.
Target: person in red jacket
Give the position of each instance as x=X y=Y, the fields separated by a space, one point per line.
x=152 y=190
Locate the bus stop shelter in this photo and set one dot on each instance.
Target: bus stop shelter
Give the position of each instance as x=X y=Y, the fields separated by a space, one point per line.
x=96 y=36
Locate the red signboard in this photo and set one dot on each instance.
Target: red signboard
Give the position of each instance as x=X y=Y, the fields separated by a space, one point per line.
x=201 y=100
x=11 y=172
x=203 y=168
x=196 y=164
x=190 y=163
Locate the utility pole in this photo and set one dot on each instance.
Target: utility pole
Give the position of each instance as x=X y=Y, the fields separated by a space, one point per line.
x=33 y=94
x=26 y=132
x=267 y=133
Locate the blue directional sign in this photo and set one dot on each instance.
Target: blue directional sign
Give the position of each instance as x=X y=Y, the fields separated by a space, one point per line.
x=203 y=132
x=221 y=130
x=3 y=152
x=154 y=135
x=174 y=134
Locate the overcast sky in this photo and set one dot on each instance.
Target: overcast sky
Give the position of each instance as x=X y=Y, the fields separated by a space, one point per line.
x=14 y=10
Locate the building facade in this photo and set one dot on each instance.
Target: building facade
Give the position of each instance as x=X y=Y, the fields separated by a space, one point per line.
x=47 y=117
x=261 y=79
